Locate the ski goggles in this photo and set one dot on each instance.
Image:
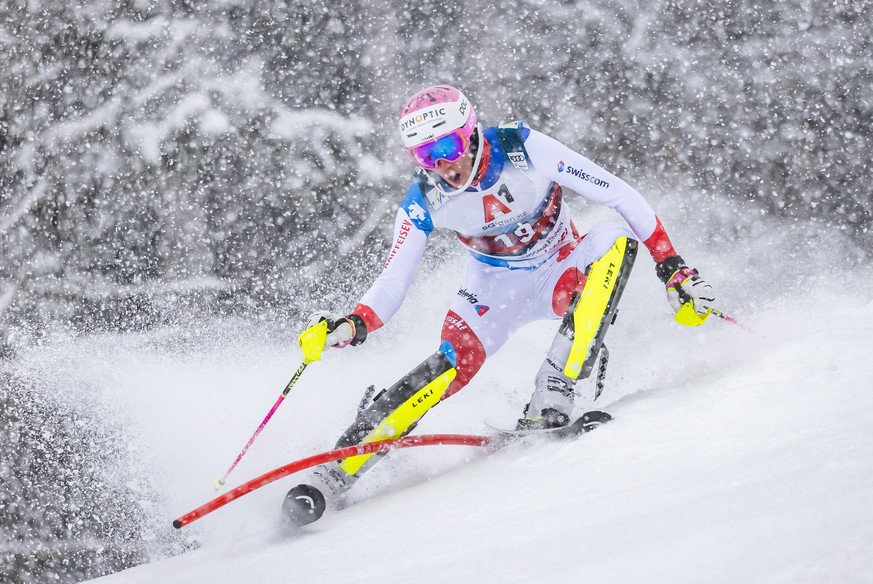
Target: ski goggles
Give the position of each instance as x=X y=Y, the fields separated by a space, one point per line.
x=449 y=148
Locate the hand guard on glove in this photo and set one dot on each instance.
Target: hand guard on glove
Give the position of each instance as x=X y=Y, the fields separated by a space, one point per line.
x=691 y=296
x=325 y=330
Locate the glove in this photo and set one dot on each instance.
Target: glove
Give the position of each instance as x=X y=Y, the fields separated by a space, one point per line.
x=325 y=329
x=691 y=296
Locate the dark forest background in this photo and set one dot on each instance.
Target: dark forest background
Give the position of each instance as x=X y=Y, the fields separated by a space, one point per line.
x=226 y=155
x=161 y=159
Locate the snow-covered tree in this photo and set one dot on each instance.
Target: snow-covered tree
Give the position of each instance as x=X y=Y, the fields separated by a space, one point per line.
x=74 y=505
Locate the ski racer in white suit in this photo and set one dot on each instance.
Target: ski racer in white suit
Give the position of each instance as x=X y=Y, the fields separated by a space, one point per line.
x=500 y=189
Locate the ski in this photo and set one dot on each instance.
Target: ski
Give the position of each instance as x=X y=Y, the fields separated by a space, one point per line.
x=581 y=425
x=305 y=504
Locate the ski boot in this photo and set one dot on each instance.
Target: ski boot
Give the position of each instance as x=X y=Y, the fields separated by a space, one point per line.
x=547 y=419
x=552 y=397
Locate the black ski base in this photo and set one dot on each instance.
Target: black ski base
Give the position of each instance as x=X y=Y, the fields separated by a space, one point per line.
x=304 y=504
x=581 y=425
x=584 y=423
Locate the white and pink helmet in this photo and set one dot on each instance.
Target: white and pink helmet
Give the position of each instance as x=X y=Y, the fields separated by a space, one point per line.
x=437 y=123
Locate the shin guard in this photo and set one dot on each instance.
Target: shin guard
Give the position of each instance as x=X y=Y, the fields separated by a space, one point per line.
x=395 y=411
x=595 y=307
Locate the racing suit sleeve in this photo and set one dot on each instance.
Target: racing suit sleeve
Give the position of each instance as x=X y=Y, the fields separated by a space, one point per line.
x=569 y=168
x=386 y=295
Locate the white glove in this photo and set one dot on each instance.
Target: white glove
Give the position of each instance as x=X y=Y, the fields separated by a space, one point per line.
x=685 y=286
x=690 y=295
x=340 y=329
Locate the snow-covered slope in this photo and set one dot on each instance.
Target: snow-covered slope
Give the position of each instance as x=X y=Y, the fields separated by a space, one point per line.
x=735 y=456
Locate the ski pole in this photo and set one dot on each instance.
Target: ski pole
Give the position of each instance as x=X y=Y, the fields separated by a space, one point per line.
x=730 y=319
x=223 y=480
x=312 y=342
x=688 y=318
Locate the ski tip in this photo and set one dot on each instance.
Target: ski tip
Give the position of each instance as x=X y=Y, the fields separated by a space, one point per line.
x=177 y=524
x=596 y=417
x=304 y=504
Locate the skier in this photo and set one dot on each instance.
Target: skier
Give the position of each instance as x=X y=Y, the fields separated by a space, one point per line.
x=500 y=190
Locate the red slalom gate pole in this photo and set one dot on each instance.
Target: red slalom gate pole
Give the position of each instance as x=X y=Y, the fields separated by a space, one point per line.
x=340 y=453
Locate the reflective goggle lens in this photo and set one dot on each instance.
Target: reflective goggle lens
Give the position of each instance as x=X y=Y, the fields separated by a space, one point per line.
x=449 y=148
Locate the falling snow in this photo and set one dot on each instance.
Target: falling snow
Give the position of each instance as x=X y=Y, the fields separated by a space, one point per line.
x=168 y=167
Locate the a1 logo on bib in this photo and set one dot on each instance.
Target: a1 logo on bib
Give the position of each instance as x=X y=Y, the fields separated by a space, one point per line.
x=493 y=208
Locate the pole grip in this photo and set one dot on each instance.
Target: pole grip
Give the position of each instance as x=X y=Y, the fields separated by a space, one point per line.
x=312 y=342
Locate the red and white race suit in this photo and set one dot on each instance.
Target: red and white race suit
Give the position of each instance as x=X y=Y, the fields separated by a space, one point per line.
x=527 y=259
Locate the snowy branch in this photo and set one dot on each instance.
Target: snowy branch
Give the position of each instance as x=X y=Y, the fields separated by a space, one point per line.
x=33 y=196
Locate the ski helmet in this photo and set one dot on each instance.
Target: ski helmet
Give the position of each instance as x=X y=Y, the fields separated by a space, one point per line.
x=437 y=123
